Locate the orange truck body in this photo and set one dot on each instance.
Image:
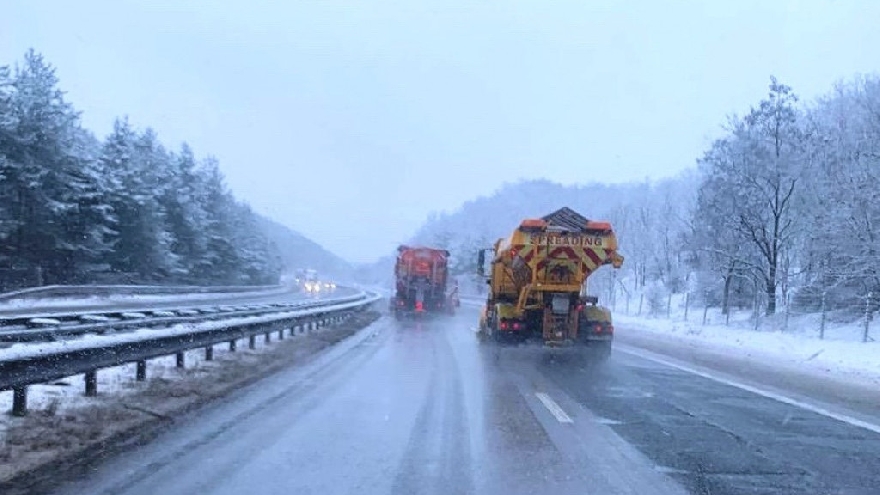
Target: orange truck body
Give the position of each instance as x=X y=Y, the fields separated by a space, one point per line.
x=422 y=282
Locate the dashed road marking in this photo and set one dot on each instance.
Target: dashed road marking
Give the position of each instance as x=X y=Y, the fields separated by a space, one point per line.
x=764 y=393
x=606 y=421
x=554 y=408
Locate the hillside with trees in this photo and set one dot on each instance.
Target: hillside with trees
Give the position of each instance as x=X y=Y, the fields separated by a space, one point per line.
x=781 y=212
x=77 y=209
x=297 y=251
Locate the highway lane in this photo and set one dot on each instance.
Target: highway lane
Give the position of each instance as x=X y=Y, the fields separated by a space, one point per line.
x=423 y=408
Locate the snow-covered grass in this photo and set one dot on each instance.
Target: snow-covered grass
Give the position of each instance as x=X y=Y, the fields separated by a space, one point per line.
x=118 y=382
x=792 y=339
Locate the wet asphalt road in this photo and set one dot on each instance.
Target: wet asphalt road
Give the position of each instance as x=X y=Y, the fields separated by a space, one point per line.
x=405 y=408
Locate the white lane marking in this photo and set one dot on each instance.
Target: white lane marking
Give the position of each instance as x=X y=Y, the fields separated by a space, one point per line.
x=764 y=393
x=554 y=408
x=606 y=421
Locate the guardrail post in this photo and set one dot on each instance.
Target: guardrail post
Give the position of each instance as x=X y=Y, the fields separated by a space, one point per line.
x=252 y=342
x=181 y=359
x=91 y=379
x=232 y=345
x=19 y=400
x=141 y=372
x=209 y=353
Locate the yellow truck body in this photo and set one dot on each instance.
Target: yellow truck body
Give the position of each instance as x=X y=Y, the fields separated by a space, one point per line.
x=537 y=274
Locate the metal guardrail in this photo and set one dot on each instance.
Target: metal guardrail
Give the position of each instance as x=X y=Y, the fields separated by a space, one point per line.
x=66 y=291
x=43 y=364
x=53 y=326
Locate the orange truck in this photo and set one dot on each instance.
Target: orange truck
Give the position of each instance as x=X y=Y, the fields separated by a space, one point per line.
x=422 y=282
x=537 y=281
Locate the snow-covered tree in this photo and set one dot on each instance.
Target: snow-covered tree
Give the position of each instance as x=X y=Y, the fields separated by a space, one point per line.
x=754 y=176
x=57 y=217
x=76 y=210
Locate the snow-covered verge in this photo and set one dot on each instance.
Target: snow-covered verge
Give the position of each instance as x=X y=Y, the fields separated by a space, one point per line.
x=840 y=353
x=794 y=342
x=64 y=428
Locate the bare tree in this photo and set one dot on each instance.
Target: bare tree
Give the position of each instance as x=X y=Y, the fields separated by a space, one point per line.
x=754 y=174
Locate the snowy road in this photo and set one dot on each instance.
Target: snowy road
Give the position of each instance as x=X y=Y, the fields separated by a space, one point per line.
x=407 y=408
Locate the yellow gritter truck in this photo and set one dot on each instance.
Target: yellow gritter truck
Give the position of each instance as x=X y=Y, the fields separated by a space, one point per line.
x=537 y=281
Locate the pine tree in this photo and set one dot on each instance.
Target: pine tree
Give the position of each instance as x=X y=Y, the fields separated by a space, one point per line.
x=222 y=261
x=185 y=216
x=50 y=180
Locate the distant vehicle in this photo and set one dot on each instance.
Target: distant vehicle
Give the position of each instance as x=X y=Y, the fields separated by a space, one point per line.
x=421 y=282
x=308 y=279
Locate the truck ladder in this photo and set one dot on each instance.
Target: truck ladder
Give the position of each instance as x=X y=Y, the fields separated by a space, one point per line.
x=555 y=328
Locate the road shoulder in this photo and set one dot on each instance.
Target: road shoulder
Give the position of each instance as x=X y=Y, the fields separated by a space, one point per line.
x=840 y=393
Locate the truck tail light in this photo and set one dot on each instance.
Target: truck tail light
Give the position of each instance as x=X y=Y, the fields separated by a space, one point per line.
x=503 y=325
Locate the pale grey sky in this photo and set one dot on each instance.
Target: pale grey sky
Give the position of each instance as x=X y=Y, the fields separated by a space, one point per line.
x=351 y=121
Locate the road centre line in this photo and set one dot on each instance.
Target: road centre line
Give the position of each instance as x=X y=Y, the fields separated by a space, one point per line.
x=554 y=408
